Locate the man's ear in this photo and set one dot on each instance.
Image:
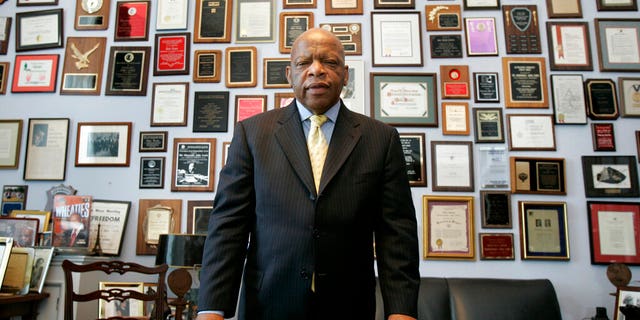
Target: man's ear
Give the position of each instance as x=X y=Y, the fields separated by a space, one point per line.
x=346 y=75
x=288 y=74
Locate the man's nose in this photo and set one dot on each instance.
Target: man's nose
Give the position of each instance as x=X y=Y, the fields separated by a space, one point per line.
x=316 y=69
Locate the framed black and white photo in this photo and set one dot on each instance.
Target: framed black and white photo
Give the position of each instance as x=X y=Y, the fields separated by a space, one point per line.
x=103 y=144
x=193 y=164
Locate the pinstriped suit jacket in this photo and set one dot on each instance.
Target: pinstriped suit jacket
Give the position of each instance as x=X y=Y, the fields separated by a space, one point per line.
x=270 y=228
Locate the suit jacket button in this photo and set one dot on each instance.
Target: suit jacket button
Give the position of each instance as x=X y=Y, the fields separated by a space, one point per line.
x=312 y=197
x=316 y=234
x=304 y=275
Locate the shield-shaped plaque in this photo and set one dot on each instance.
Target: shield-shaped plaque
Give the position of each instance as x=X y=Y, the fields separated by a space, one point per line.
x=521 y=18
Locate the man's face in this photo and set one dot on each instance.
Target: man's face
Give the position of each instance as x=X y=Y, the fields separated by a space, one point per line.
x=317 y=71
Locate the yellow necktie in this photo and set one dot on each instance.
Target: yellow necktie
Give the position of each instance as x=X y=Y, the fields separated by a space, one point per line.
x=318 y=146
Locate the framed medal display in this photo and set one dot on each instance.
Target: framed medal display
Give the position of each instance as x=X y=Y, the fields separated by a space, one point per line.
x=92 y=14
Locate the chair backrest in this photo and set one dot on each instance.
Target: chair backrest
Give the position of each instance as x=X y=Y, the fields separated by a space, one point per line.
x=159 y=297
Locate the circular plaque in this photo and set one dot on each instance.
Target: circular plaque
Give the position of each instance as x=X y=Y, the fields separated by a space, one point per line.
x=91 y=6
x=619 y=274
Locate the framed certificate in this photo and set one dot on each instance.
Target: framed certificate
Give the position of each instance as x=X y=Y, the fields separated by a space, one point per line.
x=128 y=71
x=35 y=73
x=111 y=217
x=443 y=18
x=37 y=30
x=531 y=132
x=249 y=105
x=413 y=146
x=613 y=232
x=481 y=36
x=394 y=4
x=10 y=138
x=448 y=227
x=151 y=173
x=240 y=66
x=455 y=118
x=291 y=4
x=103 y=144
x=211 y=111
x=170 y=103
x=193 y=164
x=564 y=9
x=397 y=39
x=569 y=102
x=349 y=7
x=46 y=152
x=213 y=21
x=5 y=31
x=488 y=125
x=486 y=87
x=83 y=64
x=570 y=46
x=255 y=21
x=525 y=82
x=155 y=217
x=132 y=20
x=543 y=230
x=618 y=44
x=198 y=214
x=92 y=14
x=292 y=24
x=350 y=34
x=521 y=29
x=172 y=54
x=404 y=99
x=481 y=4
x=629 y=88
x=24 y=3
x=496 y=209
x=610 y=176
x=274 y=72
x=617 y=5
x=452 y=166
x=207 y=66
x=172 y=14
x=153 y=141
x=496 y=246
x=602 y=99
x=531 y=175
x=603 y=136
x=4 y=75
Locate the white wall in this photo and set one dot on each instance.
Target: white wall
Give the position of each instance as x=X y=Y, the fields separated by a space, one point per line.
x=580 y=285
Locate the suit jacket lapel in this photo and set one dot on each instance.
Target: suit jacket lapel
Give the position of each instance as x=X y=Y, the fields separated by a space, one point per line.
x=344 y=139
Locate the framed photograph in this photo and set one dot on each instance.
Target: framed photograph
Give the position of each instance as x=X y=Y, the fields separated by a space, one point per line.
x=4 y=75
x=109 y=221
x=5 y=32
x=404 y=99
x=46 y=152
x=103 y=144
x=625 y=297
x=348 y=7
x=352 y=94
x=132 y=20
x=481 y=36
x=131 y=64
x=193 y=164
x=525 y=82
x=613 y=232
x=43 y=217
x=448 y=227
x=172 y=53
x=488 y=125
x=602 y=99
x=210 y=111
x=394 y=4
x=24 y=3
x=350 y=35
x=11 y=139
x=455 y=118
x=207 y=66
x=543 y=230
x=213 y=21
x=538 y=175
x=396 y=39
x=618 y=41
x=172 y=14
x=294 y=4
x=603 y=136
x=569 y=101
x=481 y=4
x=83 y=64
x=493 y=167
x=151 y=173
x=255 y=21
x=36 y=30
x=292 y=24
x=564 y=9
x=443 y=46
x=452 y=166
x=249 y=105
x=124 y=308
x=531 y=132
x=24 y=231
x=496 y=246
x=14 y=197
x=455 y=82
x=153 y=141
x=35 y=73
x=241 y=67
x=610 y=176
x=282 y=99
x=42 y=257
x=169 y=104
x=413 y=146
x=92 y=15
x=617 y=5
x=18 y=272
x=496 y=209
x=521 y=29
x=486 y=87
x=6 y=244
x=274 y=73
x=155 y=217
x=443 y=18
x=198 y=214
x=570 y=46
x=629 y=96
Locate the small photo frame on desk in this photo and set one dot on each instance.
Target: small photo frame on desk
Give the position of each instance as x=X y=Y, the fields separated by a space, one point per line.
x=291 y=25
x=42 y=257
x=132 y=20
x=564 y=9
x=418 y=94
x=92 y=15
x=629 y=88
x=452 y=166
x=448 y=227
x=396 y=39
x=172 y=54
x=169 y=104
x=213 y=21
x=613 y=220
x=36 y=30
x=254 y=21
x=342 y=7
x=130 y=63
x=35 y=73
x=103 y=144
x=610 y=176
x=46 y=151
x=413 y=147
x=17 y=276
x=274 y=73
x=241 y=67
x=543 y=230
x=611 y=34
x=124 y=308
x=531 y=175
x=570 y=47
x=193 y=166
x=43 y=217
x=24 y=231
x=207 y=66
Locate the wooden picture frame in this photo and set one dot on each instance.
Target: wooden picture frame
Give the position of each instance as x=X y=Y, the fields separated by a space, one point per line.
x=130 y=63
x=349 y=34
x=132 y=20
x=481 y=36
x=172 y=14
x=537 y=175
x=488 y=125
x=254 y=21
x=296 y=4
x=495 y=207
x=4 y=75
x=172 y=54
x=110 y=217
x=525 y=82
x=340 y=7
x=155 y=217
x=44 y=218
x=610 y=176
x=611 y=220
x=11 y=140
x=602 y=99
x=543 y=230
x=443 y=18
x=453 y=239
x=92 y=15
x=46 y=151
x=603 y=136
x=496 y=246
x=282 y=99
x=106 y=144
x=394 y=4
x=274 y=73
x=36 y=30
x=193 y=164
x=569 y=101
x=35 y=73
x=629 y=88
x=134 y=307
x=452 y=166
x=249 y=105
x=455 y=118
x=207 y=66
x=386 y=28
x=14 y=197
x=213 y=21
x=5 y=33
x=198 y=214
x=626 y=31
x=169 y=104
x=570 y=47
x=240 y=67
x=24 y=231
x=625 y=297
x=292 y=24
x=531 y=132
x=152 y=173
x=610 y=5
x=564 y=9
x=481 y=4
x=83 y=65
x=413 y=147
x=418 y=109
x=153 y=141
x=445 y=46
x=210 y=111
x=486 y=87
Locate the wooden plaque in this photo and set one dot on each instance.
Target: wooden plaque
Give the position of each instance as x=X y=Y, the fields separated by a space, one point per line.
x=213 y=21
x=443 y=18
x=521 y=29
x=4 y=34
x=525 y=83
x=350 y=34
x=207 y=65
x=332 y=7
x=148 y=228
x=292 y=24
x=92 y=14
x=83 y=65
x=454 y=82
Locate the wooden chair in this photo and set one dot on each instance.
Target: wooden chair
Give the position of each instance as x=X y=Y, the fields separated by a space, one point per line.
x=159 y=297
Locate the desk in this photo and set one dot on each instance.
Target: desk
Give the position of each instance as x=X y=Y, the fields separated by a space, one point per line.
x=21 y=305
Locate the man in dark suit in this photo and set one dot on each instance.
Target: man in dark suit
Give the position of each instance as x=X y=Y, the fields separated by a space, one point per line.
x=305 y=251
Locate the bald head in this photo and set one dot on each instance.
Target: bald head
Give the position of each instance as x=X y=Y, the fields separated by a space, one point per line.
x=319 y=34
